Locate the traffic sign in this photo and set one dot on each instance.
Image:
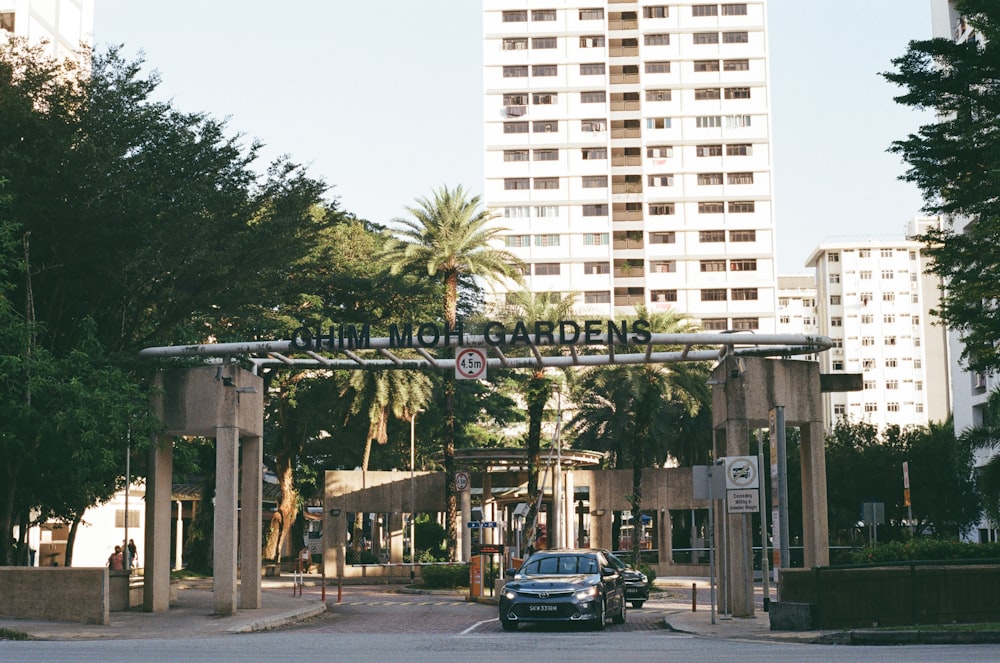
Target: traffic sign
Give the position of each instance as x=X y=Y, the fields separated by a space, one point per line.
x=470 y=364
x=476 y=524
x=488 y=549
x=461 y=481
x=741 y=472
x=743 y=501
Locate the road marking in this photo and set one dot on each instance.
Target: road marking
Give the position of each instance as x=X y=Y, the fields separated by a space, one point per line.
x=478 y=624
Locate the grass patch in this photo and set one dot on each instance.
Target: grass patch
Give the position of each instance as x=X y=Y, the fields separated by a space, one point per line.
x=8 y=634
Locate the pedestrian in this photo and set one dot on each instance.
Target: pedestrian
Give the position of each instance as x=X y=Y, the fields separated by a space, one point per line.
x=133 y=555
x=115 y=561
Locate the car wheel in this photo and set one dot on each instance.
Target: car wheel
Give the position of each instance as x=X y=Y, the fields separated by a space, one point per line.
x=601 y=615
x=637 y=604
x=507 y=624
x=620 y=617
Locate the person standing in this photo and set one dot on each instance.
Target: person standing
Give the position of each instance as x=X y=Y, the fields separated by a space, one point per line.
x=115 y=561
x=133 y=555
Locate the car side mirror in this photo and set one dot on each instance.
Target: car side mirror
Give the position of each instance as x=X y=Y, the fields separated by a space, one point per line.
x=509 y=573
x=608 y=571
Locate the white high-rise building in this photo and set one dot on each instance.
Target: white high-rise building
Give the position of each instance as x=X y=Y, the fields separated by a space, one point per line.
x=628 y=154
x=64 y=24
x=874 y=301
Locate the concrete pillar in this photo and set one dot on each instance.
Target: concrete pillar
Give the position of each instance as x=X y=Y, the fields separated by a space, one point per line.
x=179 y=538
x=396 y=532
x=334 y=538
x=251 y=487
x=464 y=516
x=156 y=574
x=601 y=518
x=815 y=525
x=739 y=536
x=569 y=507
x=224 y=536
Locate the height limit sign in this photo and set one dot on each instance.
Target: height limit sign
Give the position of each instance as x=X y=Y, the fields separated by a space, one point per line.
x=470 y=364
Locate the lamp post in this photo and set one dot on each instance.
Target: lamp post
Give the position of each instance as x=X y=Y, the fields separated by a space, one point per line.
x=413 y=498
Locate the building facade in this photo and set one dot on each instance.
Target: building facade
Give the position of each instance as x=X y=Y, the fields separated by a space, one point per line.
x=628 y=154
x=64 y=24
x=874 y=300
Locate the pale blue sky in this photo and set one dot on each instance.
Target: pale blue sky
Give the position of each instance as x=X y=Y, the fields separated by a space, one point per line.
x=383 y=100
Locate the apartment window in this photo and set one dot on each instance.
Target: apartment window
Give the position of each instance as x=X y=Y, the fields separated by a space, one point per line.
x=713 y=295
x=740 y=178
x=544 y=98
x=596 y=267
x=661 y=209
x=655 y=11
x=888 y=296
x=743 y=265
x=712 y=265
x=742 y=235
x=871 y=407
x=706 y=65
x=834 y=278
x=867 y=319
x=516 y=99
x=545 y=126
x=886 y=253
x=597 y=297
x=737 y=121
x=593 y=97
x=515 y=17
x=595 y=182
x=918 y=385
x=594 y=125
x=833 y=257
x=890 y=340
x=663 y=295
x=708 y=121
x=839 y=409
x=546 y=182
x=714 y=324
x=892 y=384
x=870 y=385
x=734 y=9
x=594 y=14
x=657 y=40
x=867 y=341
x=662 y=238
x=546 y=155
x=865 y=274
x=746 y=324
x=595 y=210
x=786 y=320
x=543 y=42
x=706 y=37
x=892 y=363
x=868 y=364
x=515 y=183
x=739 y=150
x=544 y=70
x=657 y=122
x=741 y=206
x=887 y=274
x=518 y=71
x=892 y=407
x=711 y=236
x=594 y=153
x=546 y=269
x=659 y=152
x=709 y=179
x=864 y=253
x=704 y=94
x=662 y=267
x=657 y=67
x=515 y=127
x=708 y=151
x=737 y=93
x=543 y=15
x=546 y=240
x=889 y=318
x=515 y=155
x=735 y=37
x=516 y=241
x=132 y=515
x=595 y=41
x=516 y=44
x=595 y=239
x=516 y=212
x=661 y=180
x=592 y=69
x=711 y=207
x=547 y=211
x=704 y=10
x=736 y=65
x=834 y=300
x=744 y=294
x=836 y=322
x=658 y=95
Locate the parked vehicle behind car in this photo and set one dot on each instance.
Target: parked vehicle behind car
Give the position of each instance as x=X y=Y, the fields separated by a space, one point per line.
x=573 y=586
x=636 y=582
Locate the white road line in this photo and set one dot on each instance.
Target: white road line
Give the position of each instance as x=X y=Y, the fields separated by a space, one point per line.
x=477 y=625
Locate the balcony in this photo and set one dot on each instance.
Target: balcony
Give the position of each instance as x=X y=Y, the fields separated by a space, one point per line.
x=623 y=24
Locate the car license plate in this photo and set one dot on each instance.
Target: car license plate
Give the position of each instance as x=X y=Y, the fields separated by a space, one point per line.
x=541 y=608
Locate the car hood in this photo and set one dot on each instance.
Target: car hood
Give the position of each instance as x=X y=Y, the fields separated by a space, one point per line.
x=554 y=582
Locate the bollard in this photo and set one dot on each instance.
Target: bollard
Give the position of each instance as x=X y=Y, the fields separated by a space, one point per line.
x=694 y=597
x=340 y=587
x=322 y=576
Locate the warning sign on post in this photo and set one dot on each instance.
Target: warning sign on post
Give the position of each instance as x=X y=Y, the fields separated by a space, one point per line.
x=743 y=501
x=470 y=364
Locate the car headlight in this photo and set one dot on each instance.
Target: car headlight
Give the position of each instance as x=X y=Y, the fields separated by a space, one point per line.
x=642 y=576
x=509 y=594
x=585 y=594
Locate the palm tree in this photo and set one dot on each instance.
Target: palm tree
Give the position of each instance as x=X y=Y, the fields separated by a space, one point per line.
x=986 y=437
x=450 y=238
x=631 y=411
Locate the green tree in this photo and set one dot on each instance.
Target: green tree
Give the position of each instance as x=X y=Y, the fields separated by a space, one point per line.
x=955 y=161
x=451 y=238
x=986 y=437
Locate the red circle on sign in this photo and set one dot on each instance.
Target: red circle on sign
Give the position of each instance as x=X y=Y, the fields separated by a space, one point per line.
x=471 y=363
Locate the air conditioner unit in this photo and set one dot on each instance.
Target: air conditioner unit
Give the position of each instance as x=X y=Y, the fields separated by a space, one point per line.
x=516 y=111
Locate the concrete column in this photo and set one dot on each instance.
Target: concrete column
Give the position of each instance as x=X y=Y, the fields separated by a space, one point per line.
x=737 y=560
x=601 y=518
x=815 y=525
x=464 y=515
x=569 y=509
x=156 y=574
x=251 y=488
x=224 y=537
x=179 y=538
x=396 y=532
x=334 y=538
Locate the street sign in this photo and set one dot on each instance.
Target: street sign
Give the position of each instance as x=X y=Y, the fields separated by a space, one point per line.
x=741 y=472
x=470 y=364
x=489 y=549
x=476 y=524
x=743 y=500
x=461 y=481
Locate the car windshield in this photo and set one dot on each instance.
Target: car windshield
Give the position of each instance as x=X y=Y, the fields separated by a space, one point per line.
x=553 y=565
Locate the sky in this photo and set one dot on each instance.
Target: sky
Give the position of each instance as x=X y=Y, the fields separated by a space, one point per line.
x=383 y=100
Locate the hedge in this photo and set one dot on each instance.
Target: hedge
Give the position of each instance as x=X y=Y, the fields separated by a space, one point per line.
x=445 y=575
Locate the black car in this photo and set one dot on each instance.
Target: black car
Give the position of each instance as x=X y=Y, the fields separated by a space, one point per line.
x=636 y=582
x=574 y=586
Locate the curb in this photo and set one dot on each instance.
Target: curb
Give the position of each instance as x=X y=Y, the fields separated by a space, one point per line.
x=282 y=619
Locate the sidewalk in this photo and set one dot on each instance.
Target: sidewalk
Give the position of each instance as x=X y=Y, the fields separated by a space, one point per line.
x=190 y=616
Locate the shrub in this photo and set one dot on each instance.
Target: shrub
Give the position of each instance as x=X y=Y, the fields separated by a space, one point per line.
x=925 y=550
x=649 y=572
x=445 y=575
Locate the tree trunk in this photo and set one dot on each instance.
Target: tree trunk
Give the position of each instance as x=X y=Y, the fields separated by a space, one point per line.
x=451 y=503
x=636 y=506
x=538 y=393
x=71 y=539
x=7 y=514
